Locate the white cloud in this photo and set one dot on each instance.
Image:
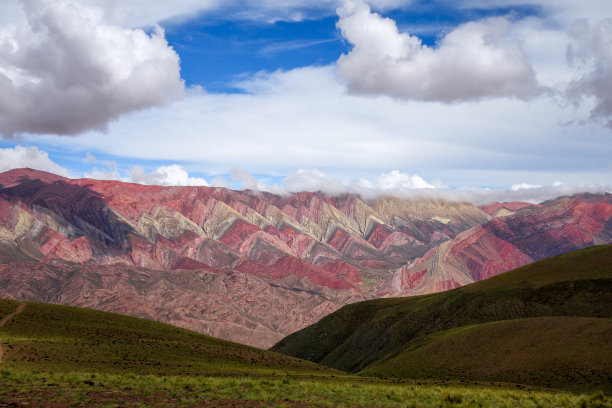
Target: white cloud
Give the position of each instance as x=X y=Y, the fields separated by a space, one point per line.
x=139 y=13
x=144 y=13
x=398 y=180
x=398 y=184
x=297 y=10
x=172 y=175
x=246 y=178
x=527 y=186
x=531 y=194
x=109 y=173
x=89 y=158
x=559 y=12
x=31 y=157
x=476 y=60
x=592 y=53
x=304 y=119
x=69 y=67
x=313 y=180
x=220 y=182
x=393 y=182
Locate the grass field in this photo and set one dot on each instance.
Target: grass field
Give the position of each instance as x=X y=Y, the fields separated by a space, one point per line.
x=128 y=390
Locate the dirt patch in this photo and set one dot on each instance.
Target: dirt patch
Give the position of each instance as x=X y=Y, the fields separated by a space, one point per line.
x=6 y=318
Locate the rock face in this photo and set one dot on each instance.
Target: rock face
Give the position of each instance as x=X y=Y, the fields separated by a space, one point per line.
x=530 y=234
x=253 y=267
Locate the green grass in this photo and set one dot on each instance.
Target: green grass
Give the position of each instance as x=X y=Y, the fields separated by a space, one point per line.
x=61 y=338
x=565 y=352
x=61 y=356
x=577 y=284
x=104 y=390
x=7 y=307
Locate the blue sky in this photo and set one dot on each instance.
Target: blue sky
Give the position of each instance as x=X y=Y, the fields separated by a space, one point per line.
x=215 y=49
x=388 y=96
x=215 y=54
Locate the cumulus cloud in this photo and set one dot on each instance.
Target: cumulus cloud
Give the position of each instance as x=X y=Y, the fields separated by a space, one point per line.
x=591 y=53
x=172 y=175
x=398 y=180
x=476 y=60
x=70 y=67
x=32 y=157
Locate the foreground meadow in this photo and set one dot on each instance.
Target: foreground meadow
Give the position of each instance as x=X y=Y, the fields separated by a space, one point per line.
x=110 y=390
x=59 y=356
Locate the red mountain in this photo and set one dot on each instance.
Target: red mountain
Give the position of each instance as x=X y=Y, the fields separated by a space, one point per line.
x=532 y=233
x=251 y=266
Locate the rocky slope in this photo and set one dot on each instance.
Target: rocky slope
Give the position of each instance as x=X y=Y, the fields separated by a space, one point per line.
x=251 y=266
x=501 y=244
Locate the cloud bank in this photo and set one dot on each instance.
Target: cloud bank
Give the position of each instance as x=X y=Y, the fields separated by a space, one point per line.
x=476 y=60
x=398 y=184
x=393 y=183
x=71 y=67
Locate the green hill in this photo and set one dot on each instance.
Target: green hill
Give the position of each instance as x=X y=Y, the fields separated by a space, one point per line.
x=54 y=338
x=430 y=336
x=564 y=352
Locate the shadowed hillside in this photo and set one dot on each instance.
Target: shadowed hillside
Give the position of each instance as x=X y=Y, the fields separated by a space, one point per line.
x=388 y=336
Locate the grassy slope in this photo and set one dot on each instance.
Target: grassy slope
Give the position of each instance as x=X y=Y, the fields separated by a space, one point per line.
x=564 y=352
x=574 y=284
x=63 y=357
x=63 y=339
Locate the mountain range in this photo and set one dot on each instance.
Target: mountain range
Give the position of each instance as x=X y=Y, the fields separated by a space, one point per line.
x=251 y=266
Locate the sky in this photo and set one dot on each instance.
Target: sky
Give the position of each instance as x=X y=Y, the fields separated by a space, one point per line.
x=475 y=99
